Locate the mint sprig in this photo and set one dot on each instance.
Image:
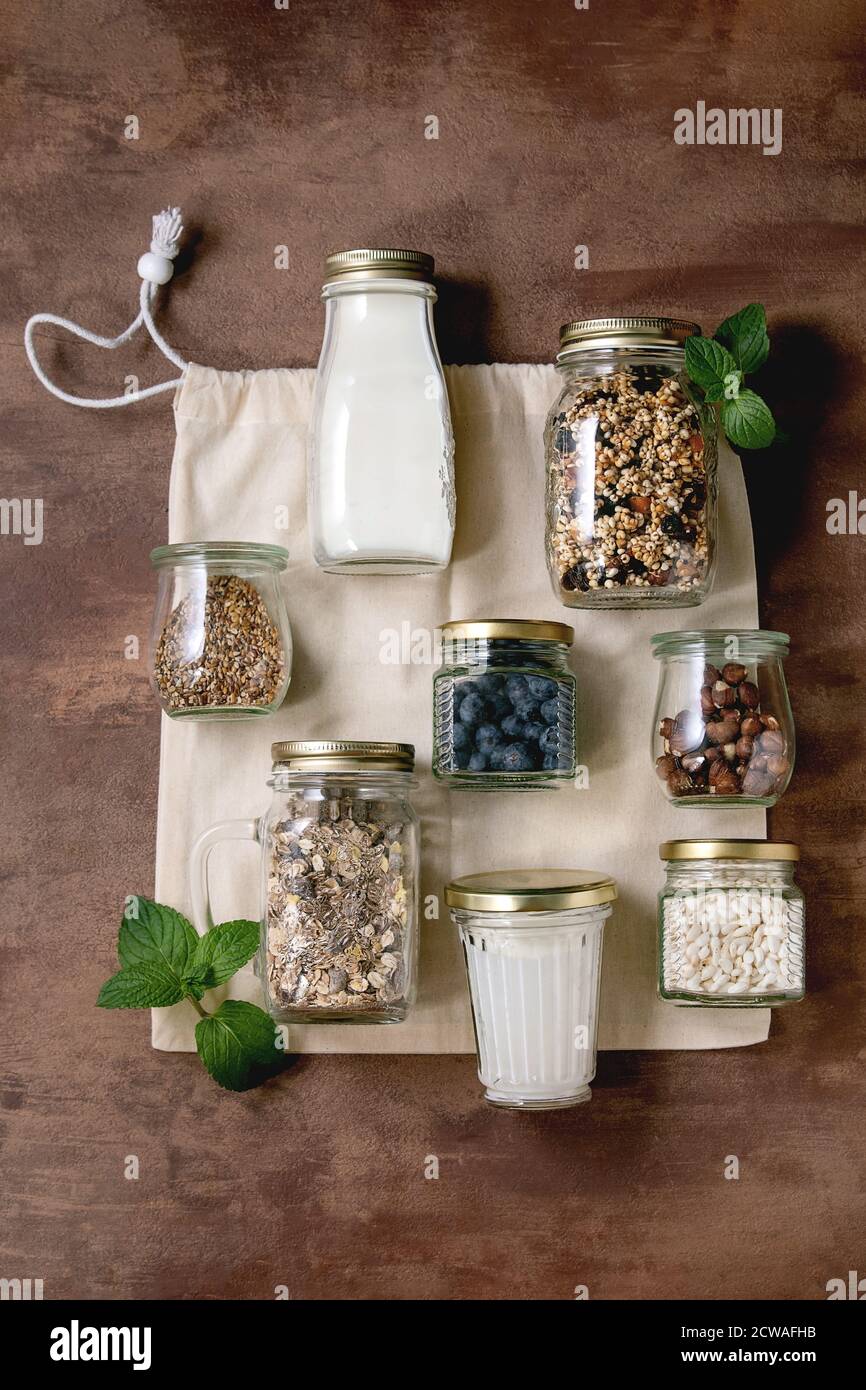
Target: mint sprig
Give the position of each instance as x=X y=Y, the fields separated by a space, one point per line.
x=164 y=961
x=718 y=365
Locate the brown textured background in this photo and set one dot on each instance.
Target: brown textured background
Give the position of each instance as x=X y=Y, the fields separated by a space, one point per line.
x=305 y=127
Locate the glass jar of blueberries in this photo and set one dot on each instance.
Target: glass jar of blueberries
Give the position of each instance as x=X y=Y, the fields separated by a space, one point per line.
x=504 y=706
x=631 y=469
x=723 y=731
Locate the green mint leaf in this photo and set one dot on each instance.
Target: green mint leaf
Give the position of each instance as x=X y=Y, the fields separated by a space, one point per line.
x=222 y=951
x=151 y=933
x=235 y=1043
x=148 y=985
x=708 y=363
x=744 y=334
x=748 y=421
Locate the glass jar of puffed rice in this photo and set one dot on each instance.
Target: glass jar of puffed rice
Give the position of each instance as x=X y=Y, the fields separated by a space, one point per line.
x=631 y=469
x=730 y=923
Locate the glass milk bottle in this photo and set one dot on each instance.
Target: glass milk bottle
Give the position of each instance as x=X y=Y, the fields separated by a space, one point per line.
x=381 y=472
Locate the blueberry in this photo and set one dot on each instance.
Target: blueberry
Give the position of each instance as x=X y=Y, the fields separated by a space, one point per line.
x=497 y=757
x=472 y=709
x=461 y=737
x=540 y=688
x=487 y=737
x=517 y=758
x=500 y=706
x=532 y=731
x=460 y=757
x=513 y=726
x=549 y=741
x=550 y=711
x=517 y=688
x=478 y=762
x=489 y=685
x=551 y=762
x=464 y=688
x=526 y=709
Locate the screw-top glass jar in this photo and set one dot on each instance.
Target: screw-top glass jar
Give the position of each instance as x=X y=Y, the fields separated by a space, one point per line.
x=381 y=496
x=723 y=731
x=504 y=705
x=221 y=646
x=731 y=923
x=631 y=469
x=340 y=882
x=532 y=941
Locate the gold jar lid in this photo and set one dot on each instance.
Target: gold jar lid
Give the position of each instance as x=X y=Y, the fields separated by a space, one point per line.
x=372 y=264
x=515 y=629
x=343 y=755
x=530 y=890
x=581 y=335
x=729 y=849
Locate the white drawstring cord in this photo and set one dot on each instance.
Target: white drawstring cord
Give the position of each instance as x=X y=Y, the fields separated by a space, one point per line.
x=155 y=268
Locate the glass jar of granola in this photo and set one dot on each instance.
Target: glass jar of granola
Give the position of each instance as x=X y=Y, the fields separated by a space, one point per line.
x=731 y=923
x=631 y=469
x=340 y=882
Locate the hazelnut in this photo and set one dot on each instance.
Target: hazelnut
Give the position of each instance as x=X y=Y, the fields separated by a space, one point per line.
x=665 y=766
x=771 y=742
x=666 y=728
x=751 y=726
x=721 y=731
x=723 y=695
x=711 y=674
x=770 y=721
x=757 y=781
x=748 y=694
x=745 y=747
x=712 y=754
x=679 y=783
x=708 y=704
x=688 y=732
x=727 y=783
x=778 y=765
x=733 y=673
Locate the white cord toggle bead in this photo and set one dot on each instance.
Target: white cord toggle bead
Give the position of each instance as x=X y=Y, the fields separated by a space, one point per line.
x=157 y=269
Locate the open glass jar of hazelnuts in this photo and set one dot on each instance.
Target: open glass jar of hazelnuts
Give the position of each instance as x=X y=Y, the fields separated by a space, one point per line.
x=723 y=732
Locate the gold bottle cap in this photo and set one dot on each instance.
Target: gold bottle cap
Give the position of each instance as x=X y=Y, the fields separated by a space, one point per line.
x=581 y=335
x=343 y=755
x=530 y=890
x=729 y=849
x=515 y=629
x=371 y=264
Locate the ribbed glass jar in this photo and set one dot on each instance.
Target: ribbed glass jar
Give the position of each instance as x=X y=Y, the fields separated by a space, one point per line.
x=532 y=941
x=731 y=924
x=504 y=706
x=631 y=469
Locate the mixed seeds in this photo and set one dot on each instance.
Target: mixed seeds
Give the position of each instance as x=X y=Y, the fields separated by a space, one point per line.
x=627 y=489
x=220 y=648
x=340 y=910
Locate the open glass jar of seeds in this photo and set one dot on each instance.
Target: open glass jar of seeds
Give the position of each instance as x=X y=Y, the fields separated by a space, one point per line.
x=221 y=645
x=723 y=732
x=504 y=706
x=631 y=469
x=340 y=882
x=731 y=922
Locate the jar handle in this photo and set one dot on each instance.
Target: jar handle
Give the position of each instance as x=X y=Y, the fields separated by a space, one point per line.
x=198 y=883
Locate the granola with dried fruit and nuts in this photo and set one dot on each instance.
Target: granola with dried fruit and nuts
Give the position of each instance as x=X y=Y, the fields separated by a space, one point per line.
x=627 y=489
x=222 y=651
x=340 y=906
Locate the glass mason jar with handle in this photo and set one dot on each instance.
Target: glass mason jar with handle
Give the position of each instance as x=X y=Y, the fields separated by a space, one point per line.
x=723 y=731
x=731 y=924
x=340 y=869
x=532 y=941
x=631 y=469
x=381 y=496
